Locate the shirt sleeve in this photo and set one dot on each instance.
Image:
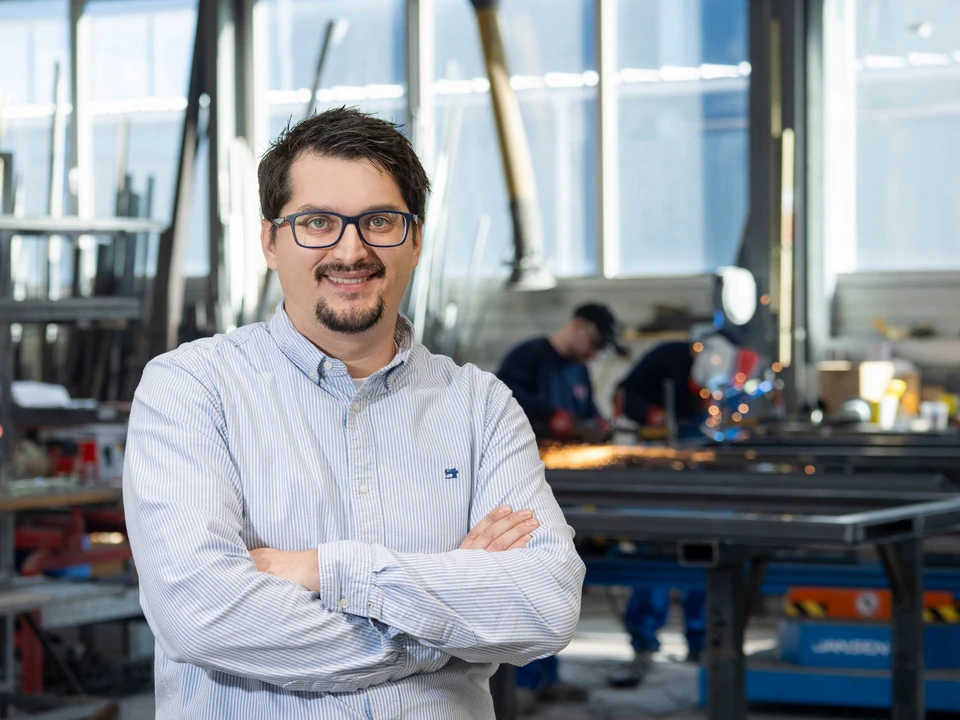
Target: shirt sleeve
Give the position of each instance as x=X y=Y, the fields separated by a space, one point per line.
x=201 y=592
x=514 y=606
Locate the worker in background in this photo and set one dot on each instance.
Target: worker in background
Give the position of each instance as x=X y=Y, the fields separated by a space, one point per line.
x=692 y=371
x=328 y=520
x=550 y=380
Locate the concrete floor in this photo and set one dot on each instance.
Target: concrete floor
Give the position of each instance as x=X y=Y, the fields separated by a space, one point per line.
x=600 y=645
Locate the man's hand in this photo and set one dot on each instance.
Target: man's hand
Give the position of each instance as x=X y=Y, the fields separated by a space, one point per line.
x=501 y=530
x=299 y=566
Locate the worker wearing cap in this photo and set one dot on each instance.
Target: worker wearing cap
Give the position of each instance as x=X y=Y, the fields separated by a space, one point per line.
x=693 y=370
x=550 y=380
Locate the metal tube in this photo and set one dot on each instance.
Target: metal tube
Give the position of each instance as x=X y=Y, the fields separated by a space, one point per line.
x=726 y=667
x=527 y=272
x=903 y=563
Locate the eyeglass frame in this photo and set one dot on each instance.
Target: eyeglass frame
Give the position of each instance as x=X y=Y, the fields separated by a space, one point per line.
x=354 y=220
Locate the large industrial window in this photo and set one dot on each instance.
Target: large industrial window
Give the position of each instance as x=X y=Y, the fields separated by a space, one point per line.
x=34 y=38
x=364 y=65
x=683 y=137
x=891 y=135
x=550 y=52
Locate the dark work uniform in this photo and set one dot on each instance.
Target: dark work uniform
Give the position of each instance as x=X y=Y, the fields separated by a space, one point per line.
x=645 y=385
x=543 y=381
x=648 y=608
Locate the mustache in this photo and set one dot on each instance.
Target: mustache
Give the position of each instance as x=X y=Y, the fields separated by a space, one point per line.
x=376 y=269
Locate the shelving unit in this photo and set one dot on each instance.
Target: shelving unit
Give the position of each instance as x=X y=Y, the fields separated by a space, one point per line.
x=61 y=603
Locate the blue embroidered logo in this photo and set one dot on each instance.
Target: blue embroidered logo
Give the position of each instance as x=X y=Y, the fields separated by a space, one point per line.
x=451 y=474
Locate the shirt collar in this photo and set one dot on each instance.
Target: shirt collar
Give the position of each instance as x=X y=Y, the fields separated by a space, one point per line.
x=314 y=363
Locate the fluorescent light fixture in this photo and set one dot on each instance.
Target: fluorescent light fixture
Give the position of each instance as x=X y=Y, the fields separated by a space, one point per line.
x=673 y=73
x=884 y=62
x=921 y=59
x=637 y=75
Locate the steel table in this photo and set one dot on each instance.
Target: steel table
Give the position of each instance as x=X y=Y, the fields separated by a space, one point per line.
x=732 y=526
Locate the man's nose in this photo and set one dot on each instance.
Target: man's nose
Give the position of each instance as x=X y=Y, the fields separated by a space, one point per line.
x=351 y=248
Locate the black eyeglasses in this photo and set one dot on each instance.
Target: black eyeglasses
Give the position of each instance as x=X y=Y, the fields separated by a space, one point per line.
x=377 y=228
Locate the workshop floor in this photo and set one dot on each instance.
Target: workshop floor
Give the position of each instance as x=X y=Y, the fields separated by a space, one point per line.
x=600 y=645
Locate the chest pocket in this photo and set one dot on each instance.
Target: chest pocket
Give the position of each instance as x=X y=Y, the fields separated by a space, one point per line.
x=427 y=501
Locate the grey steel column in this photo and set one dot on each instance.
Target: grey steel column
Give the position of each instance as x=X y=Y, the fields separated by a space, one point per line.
x=726 y=667
x=903 y=563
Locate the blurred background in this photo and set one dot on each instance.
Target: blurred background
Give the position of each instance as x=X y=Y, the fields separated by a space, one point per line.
x=782 y=172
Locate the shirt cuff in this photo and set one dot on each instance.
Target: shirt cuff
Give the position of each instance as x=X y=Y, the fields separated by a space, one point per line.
x=347 y=578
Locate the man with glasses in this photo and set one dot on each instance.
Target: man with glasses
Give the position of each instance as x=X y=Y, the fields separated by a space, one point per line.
x=550 y=380
x=329 y=521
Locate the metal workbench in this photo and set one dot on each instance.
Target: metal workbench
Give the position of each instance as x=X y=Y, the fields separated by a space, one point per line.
x=61 y=603
x=734 y=525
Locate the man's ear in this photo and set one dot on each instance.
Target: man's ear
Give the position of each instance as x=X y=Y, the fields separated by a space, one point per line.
x=268 y=242
x=417 y=239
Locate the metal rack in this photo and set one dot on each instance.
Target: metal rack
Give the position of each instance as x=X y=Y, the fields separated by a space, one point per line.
x=130 y=305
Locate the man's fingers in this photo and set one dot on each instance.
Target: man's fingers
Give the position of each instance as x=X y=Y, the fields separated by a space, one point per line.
x=508 y=523
x=522 y=542
x=506 y=540
x=490 y=519
x=502 y=527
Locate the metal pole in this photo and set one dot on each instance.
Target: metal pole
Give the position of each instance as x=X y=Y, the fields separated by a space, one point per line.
x=608 y=173
x=503 y=687
x=167 y=301
x=903 y=563
x=528 y=272
x=726 y=666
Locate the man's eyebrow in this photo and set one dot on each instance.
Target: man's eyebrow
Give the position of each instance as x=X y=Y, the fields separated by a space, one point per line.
x=371 y=208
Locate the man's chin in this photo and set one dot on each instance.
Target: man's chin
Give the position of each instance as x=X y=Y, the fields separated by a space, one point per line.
x=350 y=318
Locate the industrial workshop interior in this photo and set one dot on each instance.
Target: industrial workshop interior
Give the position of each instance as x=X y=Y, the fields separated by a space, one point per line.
x=479 y=359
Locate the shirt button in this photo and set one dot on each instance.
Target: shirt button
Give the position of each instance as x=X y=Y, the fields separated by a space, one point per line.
x=327 y=364
x=313 y=378
x=364 y=488
x=356 y=407
x=344 y=603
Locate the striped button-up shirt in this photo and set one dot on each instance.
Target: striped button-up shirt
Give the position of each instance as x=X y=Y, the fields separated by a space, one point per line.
x=257 y=439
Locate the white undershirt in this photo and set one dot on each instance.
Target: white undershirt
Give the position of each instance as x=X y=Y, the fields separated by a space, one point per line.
x=358 y=382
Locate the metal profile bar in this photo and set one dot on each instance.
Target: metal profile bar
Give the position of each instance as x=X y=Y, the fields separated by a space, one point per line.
x=89 y=309
x=528 y=272
x=421 y=100
x=167 y=311
x=903 y=562
x=608 y=157
x=33 y=227
x=784 y=530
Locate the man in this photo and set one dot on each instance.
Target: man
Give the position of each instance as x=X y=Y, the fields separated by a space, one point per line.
x=691 y=371
x=327 y=520
x=550 y=380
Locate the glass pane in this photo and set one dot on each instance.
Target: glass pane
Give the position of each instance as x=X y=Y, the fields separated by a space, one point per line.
x=683 y=140
x=34 y=36
x=907 y=135
x=550 y=52
x=365 y=65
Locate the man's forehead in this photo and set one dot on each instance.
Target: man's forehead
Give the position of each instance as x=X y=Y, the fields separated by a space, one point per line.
x=323 y=180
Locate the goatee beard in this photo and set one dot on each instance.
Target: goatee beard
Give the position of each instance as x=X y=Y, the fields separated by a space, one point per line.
x=349 y=322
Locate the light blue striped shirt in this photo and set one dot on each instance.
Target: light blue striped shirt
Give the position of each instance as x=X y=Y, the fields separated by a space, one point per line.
x=257 y=439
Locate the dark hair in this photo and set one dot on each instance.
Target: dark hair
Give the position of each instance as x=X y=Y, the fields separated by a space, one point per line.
x=345 y=134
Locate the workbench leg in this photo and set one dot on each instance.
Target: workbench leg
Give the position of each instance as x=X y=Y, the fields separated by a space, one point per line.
x=503 y=687
x=903 y=563
x=726 y=669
